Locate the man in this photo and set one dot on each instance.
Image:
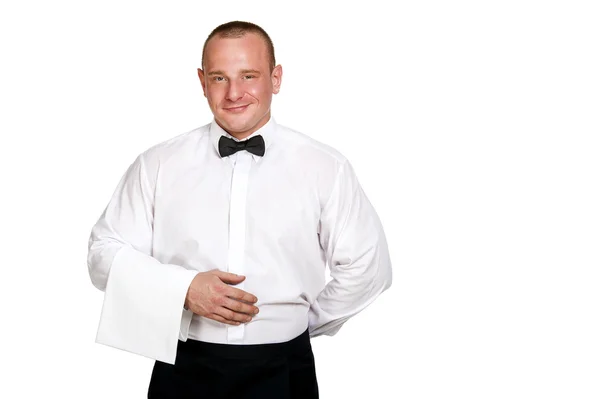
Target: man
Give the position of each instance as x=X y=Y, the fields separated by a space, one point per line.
x=212 y=250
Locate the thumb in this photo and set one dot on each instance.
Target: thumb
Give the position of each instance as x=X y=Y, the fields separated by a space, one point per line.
x=229 y=277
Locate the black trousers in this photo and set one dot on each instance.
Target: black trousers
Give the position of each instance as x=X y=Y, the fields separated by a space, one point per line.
x=217 y=371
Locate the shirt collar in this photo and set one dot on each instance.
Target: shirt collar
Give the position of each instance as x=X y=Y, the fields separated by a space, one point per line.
x=267 y=132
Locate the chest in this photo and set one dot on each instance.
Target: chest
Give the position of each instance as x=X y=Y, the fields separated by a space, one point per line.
x=199 y=200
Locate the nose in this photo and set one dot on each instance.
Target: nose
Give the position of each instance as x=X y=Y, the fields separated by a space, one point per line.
x=234 y=92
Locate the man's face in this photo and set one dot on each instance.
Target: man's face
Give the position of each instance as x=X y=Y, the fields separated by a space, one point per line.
x=238 y=84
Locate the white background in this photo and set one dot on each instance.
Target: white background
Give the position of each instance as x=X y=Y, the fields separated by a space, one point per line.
x=472 y=125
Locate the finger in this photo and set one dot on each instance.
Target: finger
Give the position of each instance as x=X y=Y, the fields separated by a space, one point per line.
x=216 y=317
x=240 y=307
x=232 y=316
x=229 y=278
x=240 y=295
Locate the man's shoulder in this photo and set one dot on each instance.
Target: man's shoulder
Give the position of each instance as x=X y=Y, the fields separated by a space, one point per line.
x=308 y=144
x=175 y=145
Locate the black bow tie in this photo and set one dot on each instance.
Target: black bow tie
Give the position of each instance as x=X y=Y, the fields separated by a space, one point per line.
x=255 y=145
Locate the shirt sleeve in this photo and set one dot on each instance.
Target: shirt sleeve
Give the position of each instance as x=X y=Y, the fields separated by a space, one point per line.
x=354 y=243
x=143 y=309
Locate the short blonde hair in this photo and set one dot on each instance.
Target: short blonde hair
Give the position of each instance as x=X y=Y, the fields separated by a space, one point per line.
x=235 y=29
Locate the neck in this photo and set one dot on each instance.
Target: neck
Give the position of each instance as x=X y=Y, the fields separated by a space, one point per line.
x=242 y=135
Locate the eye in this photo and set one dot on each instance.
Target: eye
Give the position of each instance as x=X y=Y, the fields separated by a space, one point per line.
x=248 y=77
x=218 y=78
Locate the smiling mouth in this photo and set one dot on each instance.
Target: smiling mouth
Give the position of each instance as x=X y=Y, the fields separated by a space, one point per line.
x=241 y=108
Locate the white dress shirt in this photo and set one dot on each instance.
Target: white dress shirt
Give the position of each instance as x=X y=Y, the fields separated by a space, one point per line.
x=279 y=219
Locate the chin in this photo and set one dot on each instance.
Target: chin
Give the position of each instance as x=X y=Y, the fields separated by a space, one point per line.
x=237 y=125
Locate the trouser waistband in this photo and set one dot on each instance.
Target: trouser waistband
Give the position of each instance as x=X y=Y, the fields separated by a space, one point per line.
x=298 y=345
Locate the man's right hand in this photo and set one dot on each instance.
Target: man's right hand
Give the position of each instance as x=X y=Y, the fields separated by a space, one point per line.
x=210 y=296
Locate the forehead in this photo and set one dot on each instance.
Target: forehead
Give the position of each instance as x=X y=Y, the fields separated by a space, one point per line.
x=248 y=52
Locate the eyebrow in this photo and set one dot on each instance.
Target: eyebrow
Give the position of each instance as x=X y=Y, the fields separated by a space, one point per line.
x=243 y=71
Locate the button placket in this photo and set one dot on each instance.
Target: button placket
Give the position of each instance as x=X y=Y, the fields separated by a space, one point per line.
x=237 y=229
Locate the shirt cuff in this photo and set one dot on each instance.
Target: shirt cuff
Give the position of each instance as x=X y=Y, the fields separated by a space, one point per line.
x=186 y=320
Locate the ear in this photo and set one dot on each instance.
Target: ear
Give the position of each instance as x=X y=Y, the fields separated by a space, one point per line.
x=276 y=76
x=202 y=80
